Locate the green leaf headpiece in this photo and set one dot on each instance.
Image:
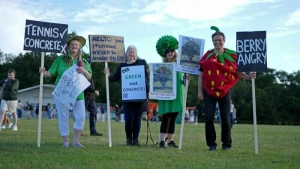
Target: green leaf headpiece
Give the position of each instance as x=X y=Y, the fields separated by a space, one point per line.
x=165 y=43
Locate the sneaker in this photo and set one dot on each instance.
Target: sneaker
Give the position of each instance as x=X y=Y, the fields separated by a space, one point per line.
x=66 y=145
x=3 y=127
x=9 y=125
x=172 y=144
x=225 y=148
x=78 y=145
x=136 y=142
x=129 y=142
x=96 y=134
x=15 y=128
x=212 y=148
x=162 y=144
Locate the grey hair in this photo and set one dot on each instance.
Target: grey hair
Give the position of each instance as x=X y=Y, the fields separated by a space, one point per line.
x=132 y=47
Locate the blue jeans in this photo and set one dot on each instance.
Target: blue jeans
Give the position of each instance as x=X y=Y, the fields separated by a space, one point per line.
x=19 y=113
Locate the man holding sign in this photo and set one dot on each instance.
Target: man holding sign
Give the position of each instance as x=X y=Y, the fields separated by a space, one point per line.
x=134 y=93
x=218 y=74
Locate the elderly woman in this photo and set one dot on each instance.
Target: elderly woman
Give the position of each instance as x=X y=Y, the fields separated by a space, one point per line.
x=60 y=65
x=133 y=110
x=218 y=74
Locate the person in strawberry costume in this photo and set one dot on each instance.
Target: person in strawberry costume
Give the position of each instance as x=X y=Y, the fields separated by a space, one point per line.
x=218 y=74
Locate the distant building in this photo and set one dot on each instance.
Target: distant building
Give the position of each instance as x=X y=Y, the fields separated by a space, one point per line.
x=31 y=94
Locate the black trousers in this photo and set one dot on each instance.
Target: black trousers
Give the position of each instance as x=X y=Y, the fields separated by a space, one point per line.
x=209 y=113
x=133 y=124
x=90 y=106
x=168 y=123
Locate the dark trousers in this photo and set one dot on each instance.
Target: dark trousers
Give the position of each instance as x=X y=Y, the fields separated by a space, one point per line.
x=19 y=113
x=168 y=123
x=209 y=113
x=90 y=106
x=133 y=124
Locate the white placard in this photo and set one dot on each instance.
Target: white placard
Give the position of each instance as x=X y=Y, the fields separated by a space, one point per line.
x=190 y=50
x=133 y=83
x=162 y=81
x=70 y=85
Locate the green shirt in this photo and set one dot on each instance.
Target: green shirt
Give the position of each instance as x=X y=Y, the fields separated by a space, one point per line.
x=59 y=66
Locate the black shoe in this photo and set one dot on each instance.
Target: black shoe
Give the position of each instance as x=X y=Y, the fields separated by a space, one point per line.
x=225 y=148
x=136 y=142
x=172 y=144
x=162 y=144
x=129 y=142
x=96 y=134
x=212 y=148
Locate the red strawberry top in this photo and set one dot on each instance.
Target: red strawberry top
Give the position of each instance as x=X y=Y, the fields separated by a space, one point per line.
x=219 y=72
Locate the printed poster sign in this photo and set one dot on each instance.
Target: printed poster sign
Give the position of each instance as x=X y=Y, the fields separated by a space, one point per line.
x=133 y=83
x=251 y=48
x=162 y=81
x=70 y=85
x=45 y=37
x=190 y=50
x=106 y=48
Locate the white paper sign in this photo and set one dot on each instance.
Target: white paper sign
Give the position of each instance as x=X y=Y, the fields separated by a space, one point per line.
x=70 y=85
x=133 y=83
x=190 y=50
x=162 y=81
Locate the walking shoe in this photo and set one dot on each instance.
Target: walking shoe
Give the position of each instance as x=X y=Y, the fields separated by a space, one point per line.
x=129 y=142
x=225 y=148
x=9 y=125
x=136 y=142
x=96 y=134
x=15 y=128
x=212 y=148
x=162 y=144
x=66 y=145
x=3 y=127
x=78 y=145
x=172 y=144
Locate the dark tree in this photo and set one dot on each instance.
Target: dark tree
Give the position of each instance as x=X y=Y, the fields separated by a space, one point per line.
x=163 y=75
x=190 y=49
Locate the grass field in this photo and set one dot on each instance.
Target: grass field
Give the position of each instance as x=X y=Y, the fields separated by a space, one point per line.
x=279 y=147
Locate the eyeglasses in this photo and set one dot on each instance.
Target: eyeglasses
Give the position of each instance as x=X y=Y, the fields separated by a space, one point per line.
x=167 y=51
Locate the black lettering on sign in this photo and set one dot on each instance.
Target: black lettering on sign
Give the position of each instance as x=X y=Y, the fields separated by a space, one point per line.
x=251 y=48
x=45 y=37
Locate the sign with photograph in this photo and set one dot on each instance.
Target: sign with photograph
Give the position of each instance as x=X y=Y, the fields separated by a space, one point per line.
x=190 y=50
x=162 y=81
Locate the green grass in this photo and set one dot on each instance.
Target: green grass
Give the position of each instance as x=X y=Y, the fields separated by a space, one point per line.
x=278 y=148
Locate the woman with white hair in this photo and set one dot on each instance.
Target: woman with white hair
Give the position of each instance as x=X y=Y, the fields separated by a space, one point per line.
x=133 y=110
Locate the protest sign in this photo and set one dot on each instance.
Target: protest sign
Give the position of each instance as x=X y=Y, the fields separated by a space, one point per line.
x=251 y=48
x=106 y=48
x=162 y=81
x=45 y=37
x=190 y=51
x=133 y=83
x=70 y=85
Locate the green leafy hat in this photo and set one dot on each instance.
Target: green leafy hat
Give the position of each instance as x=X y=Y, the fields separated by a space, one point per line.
x=165 y=43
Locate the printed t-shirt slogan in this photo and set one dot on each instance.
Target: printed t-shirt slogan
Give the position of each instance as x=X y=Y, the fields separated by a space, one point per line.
x=251 y=48
x=45 y=36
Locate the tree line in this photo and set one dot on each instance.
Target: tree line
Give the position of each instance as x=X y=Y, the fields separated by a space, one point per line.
x=277 y=91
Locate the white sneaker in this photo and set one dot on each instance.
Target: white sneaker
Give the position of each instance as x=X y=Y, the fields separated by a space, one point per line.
x=9 y=125
x=15 y=128
x=3 y=127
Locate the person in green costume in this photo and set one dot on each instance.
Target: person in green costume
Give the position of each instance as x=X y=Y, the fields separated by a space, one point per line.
x=169 y=109
x=59 y=66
